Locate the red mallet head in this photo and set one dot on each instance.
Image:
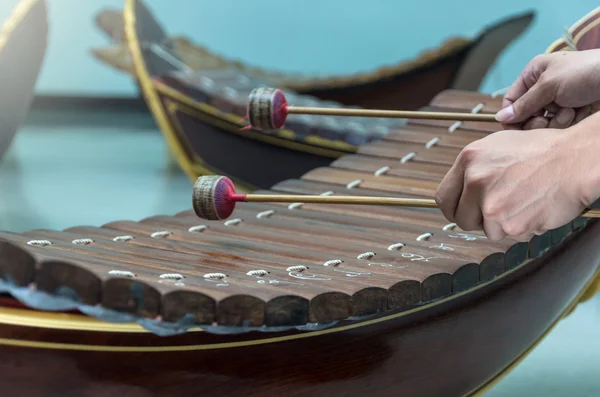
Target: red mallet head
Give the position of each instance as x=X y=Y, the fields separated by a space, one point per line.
x=214 y=197
x=267 y=108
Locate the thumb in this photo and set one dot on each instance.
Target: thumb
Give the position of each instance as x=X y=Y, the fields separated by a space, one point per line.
x=530 y=103
x=521 y=99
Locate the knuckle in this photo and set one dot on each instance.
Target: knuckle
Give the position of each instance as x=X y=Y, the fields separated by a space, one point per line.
x=547 y=82
x=539 y=58
x=468 y=154
x=491 y=209
x=478 y=178
x=513 y=228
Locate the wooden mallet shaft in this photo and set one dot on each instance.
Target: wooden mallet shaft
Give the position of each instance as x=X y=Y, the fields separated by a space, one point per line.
x=268 y=110
x=214 y=198
x=360 y=200
x=357 y=200
x=400 y=114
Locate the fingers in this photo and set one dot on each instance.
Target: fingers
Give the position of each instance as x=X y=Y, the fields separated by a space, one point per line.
x=581 y=113
x=553 y=117
x=468 y=214
x=449 y=191
x=525 y=96
x=563 y=119
x=538 y=97
x=536 y=123
x=527 y=79
x=493 y=230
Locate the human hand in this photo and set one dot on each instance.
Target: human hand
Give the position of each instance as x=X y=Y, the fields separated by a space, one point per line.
x=519 y=184
x=566 y=84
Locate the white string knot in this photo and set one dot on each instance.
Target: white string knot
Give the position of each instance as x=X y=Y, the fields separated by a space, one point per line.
x=395 y=247
x=265 y=214
x=161 y=234
x=354 y=184
x=454 y=126
x=381 y=171
x=171 y=276
x=215 y=275
x=296 y=268
x=39 y=243
x=366 y=255
x=449 y=226
x=478 y=108
x=432 y=142
x=122 y=239
x=82 y=241
x=258 y=273
x=121 y=273
x=424 y=236
x=408 y=157
x=233 y=222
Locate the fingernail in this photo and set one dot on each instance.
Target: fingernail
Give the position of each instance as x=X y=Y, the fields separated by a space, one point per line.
x=505 y=114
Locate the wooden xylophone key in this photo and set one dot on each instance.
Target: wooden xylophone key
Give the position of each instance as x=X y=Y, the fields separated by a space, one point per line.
x=448 y=102
x=257 y=303
x=404 y=216
x=436 y=279
x=272 y=258
x=432 y=136
x=448 y=238
x=378 y=166
x=417 y=241
x=404 y=186
x=283 y=267
x=422 y=216
x=391 y=184
x=82 y=278
x=404 y=152
x=22 y=259
x=137 y=290
x=252 y=303
x=429 y=240
x=467 y=101
x=404 y=289
x=452 y=126
x=414 y=216
x=417 y=245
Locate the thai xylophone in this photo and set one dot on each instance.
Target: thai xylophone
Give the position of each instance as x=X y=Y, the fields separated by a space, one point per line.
x=349 y=299
x=283 y=266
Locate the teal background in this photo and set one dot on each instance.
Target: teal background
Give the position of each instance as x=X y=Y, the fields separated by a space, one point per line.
x=317 y=36
x=115 y=166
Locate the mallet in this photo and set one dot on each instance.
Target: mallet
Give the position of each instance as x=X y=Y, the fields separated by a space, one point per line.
x=214 y=198
x=268 y=109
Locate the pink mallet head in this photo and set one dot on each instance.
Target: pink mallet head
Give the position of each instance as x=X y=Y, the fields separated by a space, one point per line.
x=267 y=108
x=214 y=197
